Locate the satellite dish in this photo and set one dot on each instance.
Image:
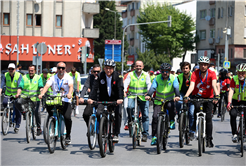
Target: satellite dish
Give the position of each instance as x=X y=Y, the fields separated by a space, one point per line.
x=207 y=18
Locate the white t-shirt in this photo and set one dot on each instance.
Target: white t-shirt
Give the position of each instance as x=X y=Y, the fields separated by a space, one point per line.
x=55 y=83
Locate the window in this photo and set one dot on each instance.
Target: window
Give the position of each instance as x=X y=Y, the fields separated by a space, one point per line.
x=29 y=20
x=128 y=36
x=244 y=10
x=212 y=12
x=133 y=7
x=38 y=19
x=212 y=33
x=58 y=21
x=137 y=35
x=203 y=14
x=244 y=32
x=218 y=34
x=129 y=7
x=222 y=12
x=230 y=11
x=129 y=53
x=244 y=53
x=138 y=5
x=218 y=13
x=132 y=50
x=231 y=52
x=203 y=34
x=133 y=19
x=221 y=36
x=6 y=19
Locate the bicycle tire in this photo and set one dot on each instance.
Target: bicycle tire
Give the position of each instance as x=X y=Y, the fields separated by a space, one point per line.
x=166 y=130
x=102 y=140
x=5 y=121
x=130 y=129
x=34 y=127
x=63 y=134
x=28 y=126
x=45 y=130
x=200 y=139
x=181 y=129
x=187 y=139
x=51 y=138
x=241 y=135
x=139 y=133
x=160 y=132
x=111 y=143
x=203 y=138
x=134 y=136
x=91 y=132
x=222 y=109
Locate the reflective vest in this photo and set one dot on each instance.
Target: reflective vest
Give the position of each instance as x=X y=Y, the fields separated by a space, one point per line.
x=77 y=74
x=164 y=89
x=180 y=77
x=236 y=90
x=138 y=86
x=31 y=87
x=49 y=92
x=11 y=87
x=152 y=78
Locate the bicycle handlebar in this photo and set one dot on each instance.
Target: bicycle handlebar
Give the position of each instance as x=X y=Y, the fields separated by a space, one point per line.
x=199 y=100
x=105 y=102
x=54 y=96
x=239 y=106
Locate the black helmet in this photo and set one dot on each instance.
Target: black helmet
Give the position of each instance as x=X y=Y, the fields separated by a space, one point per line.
x=165 y=66
x=223 y=71
x=179 y=71
x=109 y=62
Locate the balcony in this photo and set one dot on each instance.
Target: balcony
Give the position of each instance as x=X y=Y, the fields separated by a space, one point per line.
x=212 y=21
x=211 y=2
x=132 y=41
x=124 y=14
x=91 y=8
x=132 y=27
x=132 y=13
x=211 y=41
x=90 y=33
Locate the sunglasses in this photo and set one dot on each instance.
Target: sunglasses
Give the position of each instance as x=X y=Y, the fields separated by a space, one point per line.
x=63 y=68
x=165 y=71
x=96 y=71
x=11 y=69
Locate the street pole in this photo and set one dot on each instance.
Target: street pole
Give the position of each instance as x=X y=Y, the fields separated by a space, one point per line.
x=114 y=25
x=17 y=58
x=122 y=52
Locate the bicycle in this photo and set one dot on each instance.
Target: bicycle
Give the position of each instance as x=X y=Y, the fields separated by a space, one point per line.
x=222 y=107
x=8 y=116
x=56 y=124
x=106 y=128
x=241 y=126
x=73 y=104
x=201 y=125
x=46 y=119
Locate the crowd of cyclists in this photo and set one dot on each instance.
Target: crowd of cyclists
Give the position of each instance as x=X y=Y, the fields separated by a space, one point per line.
x=201 y=82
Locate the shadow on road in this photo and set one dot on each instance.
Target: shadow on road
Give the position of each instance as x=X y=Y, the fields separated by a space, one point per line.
x=20 y=140
x=84 y=149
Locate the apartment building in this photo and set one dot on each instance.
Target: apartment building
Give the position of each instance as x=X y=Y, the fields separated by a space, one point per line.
x=63 y=25
x=215 y=19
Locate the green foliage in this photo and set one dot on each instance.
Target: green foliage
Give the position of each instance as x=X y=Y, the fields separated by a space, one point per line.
x=166 y=41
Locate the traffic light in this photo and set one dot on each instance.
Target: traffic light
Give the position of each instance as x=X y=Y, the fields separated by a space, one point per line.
x=222 y=59
x=87 y=51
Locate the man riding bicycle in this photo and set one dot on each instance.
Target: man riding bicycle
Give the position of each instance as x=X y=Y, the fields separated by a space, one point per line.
x=167 y=87
x=61 y=83
x=202 y=86
x=110 y=85
x=12 y=80
x=236 y=97
x=139 y=84
x=45 y=76
x=30 y=86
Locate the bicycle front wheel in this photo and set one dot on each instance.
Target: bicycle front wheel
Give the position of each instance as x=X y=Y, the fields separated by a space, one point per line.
x=34 y=128
x=51 y=138
x=91 y=132
x=45 y=130
x=102 y=140
x=63 y=134
x=5 y=121
x=111 y=143
x=160 y=133
x=241 y=135
x=222 y=109
x=200 y=137
x=166 y=131
x=28 y=126
x=134 y=136
x=181 y=130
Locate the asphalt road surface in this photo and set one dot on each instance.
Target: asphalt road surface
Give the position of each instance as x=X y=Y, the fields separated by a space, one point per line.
x=16 y=151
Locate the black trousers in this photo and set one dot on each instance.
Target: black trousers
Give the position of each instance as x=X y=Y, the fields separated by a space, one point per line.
x=207 y=108
x=225 y=95
x=66 y=112
x=87 y=113
x=118 y=116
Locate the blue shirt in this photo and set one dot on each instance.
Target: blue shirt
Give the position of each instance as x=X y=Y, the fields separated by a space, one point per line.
x=3 y=83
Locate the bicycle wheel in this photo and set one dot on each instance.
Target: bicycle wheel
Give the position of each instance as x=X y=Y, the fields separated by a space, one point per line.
x=102 y=140
x=200 y=137
x=45 y=130
x=34 y=127
x=5 y=121
x=181 y=130
x=63 y=134
x=130 y=129
x=134 y=136
x=165 y=135
x=241 y=135
x=160 y=133
x=187 y=129
x=111 y=144
x=91 y=132
x=51 y=138
x=139 y=133
x=222 y=109
x=28 y=126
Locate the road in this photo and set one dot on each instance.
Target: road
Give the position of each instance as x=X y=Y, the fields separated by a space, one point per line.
x=15 y=150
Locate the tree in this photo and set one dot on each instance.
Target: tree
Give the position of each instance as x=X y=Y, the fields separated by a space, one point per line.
x=172 y=41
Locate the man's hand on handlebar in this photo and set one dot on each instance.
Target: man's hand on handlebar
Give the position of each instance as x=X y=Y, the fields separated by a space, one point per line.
x=40 y=96
x=81 y=100
x=176 y=99
x=90 y=101
x=229 y=107
x=119 y=101
x=185 y=99
x=69 y=96
x=147 y=97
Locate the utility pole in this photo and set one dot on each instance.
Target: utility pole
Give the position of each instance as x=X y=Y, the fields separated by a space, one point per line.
x=18 y=21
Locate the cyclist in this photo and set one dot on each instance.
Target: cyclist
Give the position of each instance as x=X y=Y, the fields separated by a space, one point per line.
x=30 y=85
x=45 y=76
x=61 y=82
x=19 y=67
x=139 y=83
x=202 y=85
x=195 y=68
x=110 y=86
x=179 y=71
x=152 y=76
x=184 y=83
x=76 y=86
x=236 y=96
x=167 y=87
x=53 y=71
x=11 y=80
x=87 y=87
x=224 y=82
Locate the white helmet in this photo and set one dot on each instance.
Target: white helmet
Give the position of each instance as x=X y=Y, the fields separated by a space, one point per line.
x=241 y=67
x=54 y=70
x=203 y=59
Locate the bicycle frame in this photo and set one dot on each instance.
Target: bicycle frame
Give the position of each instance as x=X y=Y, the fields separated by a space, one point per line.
x=201 y=115
x=58 y=119
x=8 y=107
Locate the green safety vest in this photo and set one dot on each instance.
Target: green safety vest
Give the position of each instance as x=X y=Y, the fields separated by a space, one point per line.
x=236 y=90
x=11 y=87
x=180 y=77
x=49 y=92
x=77 y=74
x=152 y=78
x=31 y=87
x=164 y=89
x=138 y=86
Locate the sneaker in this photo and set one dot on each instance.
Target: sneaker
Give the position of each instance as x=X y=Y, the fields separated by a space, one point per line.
x=192 y=136
x=126 y=127
x=218 y=116
x=172 y=124
x=39 y=131
x=234 y=138
x=76 y=111
x=209 y=143
x=68 y=140
x=115 y=138
x=153 y=141
x=144 y=138
x=16 y=130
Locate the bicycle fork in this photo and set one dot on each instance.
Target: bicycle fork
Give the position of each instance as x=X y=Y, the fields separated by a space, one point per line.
x=201 y=116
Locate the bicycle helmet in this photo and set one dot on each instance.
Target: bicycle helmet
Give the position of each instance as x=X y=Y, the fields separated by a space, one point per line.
x=223 y=71
x=241 y=67
x=203 y=59
x=165 y=66
x=179 y=71
x=109 y=62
